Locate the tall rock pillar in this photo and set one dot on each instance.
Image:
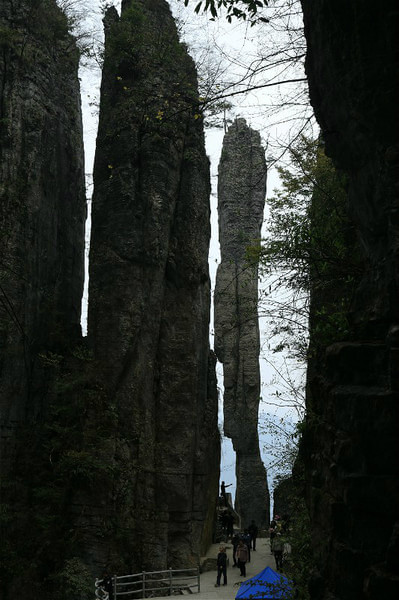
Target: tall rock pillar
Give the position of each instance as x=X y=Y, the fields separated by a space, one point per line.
x=241 y=193
x=149 y=290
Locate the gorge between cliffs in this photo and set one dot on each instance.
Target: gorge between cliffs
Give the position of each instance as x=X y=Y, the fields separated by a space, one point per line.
x=110 y=443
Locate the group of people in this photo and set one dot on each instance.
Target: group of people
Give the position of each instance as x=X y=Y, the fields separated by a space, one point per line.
x=278 y=528
x=243 y=543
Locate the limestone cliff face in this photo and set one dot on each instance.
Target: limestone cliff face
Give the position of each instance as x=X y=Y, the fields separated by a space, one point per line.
x=149 y=289
x=351 y=452
x=42 y=203
x=42 y=215
x=241 y=198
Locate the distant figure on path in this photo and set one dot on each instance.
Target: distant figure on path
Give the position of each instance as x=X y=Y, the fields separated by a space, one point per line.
x=242 y=557
x=108 y=585
x=222 y=566
x=223 y=490
x=273 y=532
x=247 y=541
x=253 y=531
x=235 y=539
x=278 y=547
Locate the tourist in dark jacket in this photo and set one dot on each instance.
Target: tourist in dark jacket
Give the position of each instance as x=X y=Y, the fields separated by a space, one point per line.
x=235 y=539
x=253 y=532
x=107 y=584
x=221 y=566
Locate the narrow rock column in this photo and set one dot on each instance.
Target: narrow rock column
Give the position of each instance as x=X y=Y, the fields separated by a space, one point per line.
x=149 y=289
x=241 y=193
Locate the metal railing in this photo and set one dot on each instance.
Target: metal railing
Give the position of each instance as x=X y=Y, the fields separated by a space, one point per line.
x=101 y=594
x=150 y=584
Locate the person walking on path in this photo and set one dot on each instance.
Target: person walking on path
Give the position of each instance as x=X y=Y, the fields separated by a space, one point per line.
x=235 y=539
x=253 y=531
x=272 y=532
x=108 y=584
x=242 y=557
x=222 y=566
x=278 y=548
x=247 y=540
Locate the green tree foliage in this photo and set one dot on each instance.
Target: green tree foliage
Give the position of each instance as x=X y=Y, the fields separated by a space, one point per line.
x=298 y=563
x=309 y=248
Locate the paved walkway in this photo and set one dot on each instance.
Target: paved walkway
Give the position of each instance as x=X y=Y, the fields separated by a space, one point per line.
x=259 y=560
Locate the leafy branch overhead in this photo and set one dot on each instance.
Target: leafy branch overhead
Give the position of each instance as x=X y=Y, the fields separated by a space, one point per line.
x=238 y=9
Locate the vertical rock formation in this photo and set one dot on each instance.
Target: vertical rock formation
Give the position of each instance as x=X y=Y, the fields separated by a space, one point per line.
x=149 y=293
x=42 y=199
x=350 y=447
x=241 y=193
x=42 y=215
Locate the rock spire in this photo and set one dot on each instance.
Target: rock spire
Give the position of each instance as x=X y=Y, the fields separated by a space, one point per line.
x=241 y=198
x=149 y=288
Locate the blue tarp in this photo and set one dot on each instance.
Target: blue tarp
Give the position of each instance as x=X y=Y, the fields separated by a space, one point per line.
x=265 y=585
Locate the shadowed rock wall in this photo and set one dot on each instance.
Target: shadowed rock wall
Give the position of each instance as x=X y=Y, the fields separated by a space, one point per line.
x=42 y=215
x=42 y=205
x=351 y=444
x=149 y=291
x=241 y=198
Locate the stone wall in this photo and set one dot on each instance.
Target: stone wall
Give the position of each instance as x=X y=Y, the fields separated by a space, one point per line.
x=241 y=198
x=350 y=447
x=149 y=290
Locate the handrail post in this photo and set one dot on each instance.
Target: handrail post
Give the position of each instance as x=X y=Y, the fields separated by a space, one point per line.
x=114 y=587
x=143 y=584
x=170 y=581
x=199 y=580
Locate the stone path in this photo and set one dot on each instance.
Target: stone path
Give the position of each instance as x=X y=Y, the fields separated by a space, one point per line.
x=259 y=560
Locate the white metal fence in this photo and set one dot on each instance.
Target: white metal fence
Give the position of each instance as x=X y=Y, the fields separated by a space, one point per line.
x=150 y=584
